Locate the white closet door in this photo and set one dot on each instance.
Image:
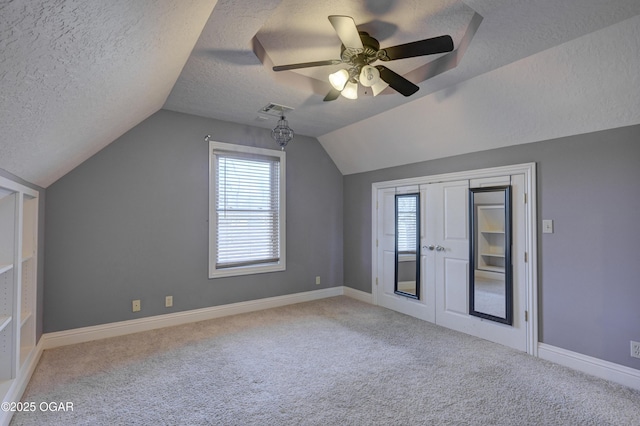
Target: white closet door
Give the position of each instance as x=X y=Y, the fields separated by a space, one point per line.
x=449 y=210
x=386 y=295
x=452 y=307
x=444 y=293
x=386 y=247
x=428 y=258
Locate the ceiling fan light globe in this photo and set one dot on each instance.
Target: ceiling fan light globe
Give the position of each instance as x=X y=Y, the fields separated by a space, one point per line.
x=350 y=90
x=369 y=76
x=339 y=79
x=379 y=87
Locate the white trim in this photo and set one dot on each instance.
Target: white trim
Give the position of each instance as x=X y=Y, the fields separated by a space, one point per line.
x=121 y=328
x=19 y=384
x=467 y=174
x=529 y=170
x=360 y=295
x=374 y=242
x=617 y=373
x=281 y=265
x=532 y=252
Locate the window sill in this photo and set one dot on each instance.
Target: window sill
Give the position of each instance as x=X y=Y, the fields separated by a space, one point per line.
x=247 y=270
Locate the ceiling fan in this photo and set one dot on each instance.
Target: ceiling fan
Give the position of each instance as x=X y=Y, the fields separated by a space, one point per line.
x=359 y=50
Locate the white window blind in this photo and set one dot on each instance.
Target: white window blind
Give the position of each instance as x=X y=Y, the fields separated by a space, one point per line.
x=247 y=209
x=406 y=211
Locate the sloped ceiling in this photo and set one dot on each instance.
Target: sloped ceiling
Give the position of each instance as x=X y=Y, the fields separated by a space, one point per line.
x=76 y=75
x=585 y=85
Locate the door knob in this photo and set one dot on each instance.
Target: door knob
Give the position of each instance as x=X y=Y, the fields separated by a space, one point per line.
x=429 y=247
x=440 y=248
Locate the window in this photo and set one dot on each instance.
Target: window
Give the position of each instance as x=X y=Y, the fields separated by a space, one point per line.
x=246 y=210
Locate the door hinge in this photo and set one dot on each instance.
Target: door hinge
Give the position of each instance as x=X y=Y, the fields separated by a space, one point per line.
x=525 y=197
x=376 y=243
x=376 y=205
x=526 y=316
x=376 y=280
x=526 y=257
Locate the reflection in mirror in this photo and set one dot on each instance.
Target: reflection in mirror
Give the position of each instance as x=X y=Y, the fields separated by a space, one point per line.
x=407 y=276
x=490 y=278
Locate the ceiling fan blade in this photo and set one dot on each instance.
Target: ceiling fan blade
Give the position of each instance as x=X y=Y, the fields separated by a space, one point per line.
x=397 y=82
x=307 y=65
x=347 y=31
x=428 y=46
x=332 y=95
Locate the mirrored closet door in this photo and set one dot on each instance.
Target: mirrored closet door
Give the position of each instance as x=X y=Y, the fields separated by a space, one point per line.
x=490 y=278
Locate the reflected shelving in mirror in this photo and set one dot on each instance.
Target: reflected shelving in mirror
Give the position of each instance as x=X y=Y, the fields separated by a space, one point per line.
x=490 y=277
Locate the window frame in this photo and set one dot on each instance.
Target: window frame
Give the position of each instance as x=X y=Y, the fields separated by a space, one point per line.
x=256 y=268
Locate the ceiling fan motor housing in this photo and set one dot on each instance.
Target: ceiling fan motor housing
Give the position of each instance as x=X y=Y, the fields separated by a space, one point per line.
x=358 y=58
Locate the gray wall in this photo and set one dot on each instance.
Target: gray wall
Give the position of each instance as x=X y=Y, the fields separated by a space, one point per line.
x=40 y=267
x=589 y=268
x=131 y=223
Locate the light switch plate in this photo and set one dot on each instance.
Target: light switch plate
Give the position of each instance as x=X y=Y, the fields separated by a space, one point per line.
x=547 y=226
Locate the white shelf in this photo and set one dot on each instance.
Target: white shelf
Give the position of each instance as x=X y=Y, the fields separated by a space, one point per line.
x=27 y=257
x=490 y=268
x=4 y=321
x=493 y=255
x=5 y=268
x=491 y=238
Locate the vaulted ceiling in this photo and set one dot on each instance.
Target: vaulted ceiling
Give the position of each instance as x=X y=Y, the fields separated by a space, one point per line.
x=75 y=75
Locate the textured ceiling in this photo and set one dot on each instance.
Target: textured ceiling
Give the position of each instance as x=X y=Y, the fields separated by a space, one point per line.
x=75 y=75
x=224 y=79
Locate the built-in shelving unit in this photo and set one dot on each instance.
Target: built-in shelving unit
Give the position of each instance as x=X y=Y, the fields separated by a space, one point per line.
x=8 y=243
x=491 y=238
x=29 y=268
x=18 y=283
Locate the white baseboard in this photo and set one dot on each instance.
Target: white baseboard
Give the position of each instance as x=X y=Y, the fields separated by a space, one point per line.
x=358 y=295
x=86 y=334
x=596 y=367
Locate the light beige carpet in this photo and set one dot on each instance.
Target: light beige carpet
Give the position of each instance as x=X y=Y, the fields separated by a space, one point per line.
x=335 y=361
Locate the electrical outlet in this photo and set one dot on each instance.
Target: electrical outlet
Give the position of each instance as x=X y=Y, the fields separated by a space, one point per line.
x=635 y=349
x=168 y=301
x=318 y=280
x=135 y=305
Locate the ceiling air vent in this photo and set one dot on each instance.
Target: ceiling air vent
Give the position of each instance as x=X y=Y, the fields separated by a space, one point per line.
x=275 y=110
